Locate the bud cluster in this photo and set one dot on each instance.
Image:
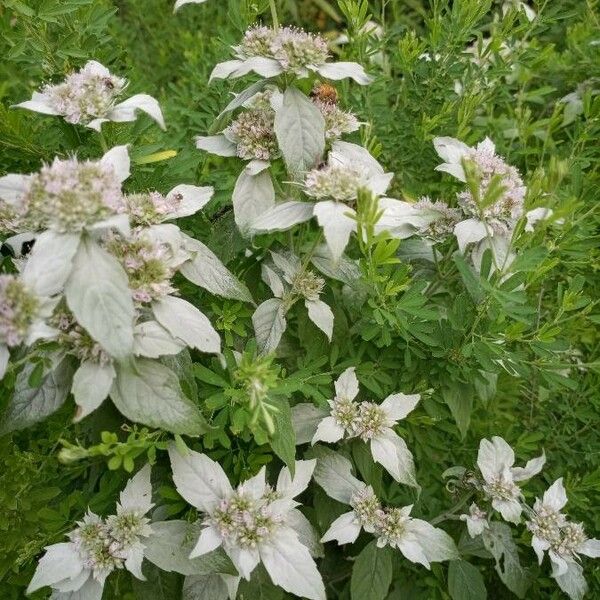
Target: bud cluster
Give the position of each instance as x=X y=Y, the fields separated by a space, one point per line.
x=86 y=94
x=244 y=521
x=103 y=544
x=146 y=263
x=444 y=222
x=337 y=182
x=293 y=48
x=19 y=308
x=308 y=285
x=487 y=165
x=365 y=420
x=152 y=207
x=76 y=340
x=337 y=121
x=254 y=133
x=68 y=195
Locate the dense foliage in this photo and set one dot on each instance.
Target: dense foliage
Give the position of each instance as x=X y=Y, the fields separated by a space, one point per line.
x=361 y=336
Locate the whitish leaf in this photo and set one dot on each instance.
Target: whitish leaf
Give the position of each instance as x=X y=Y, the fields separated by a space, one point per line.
x=150 y=339
x=50 y=262
x=253 y=195
x=372 y=573
x=291 y=567
x=283 y=216
x=334 y=474
x=185 y=322
x=305 y=420
x=149 y=393
x=97 y=292
x=216 y=144
x=169 y=549
x=300 y=131
x=243 y=97
x=126 y=110
x=207 y=271
x=91 y=385
x=269 y=324
x=321 y=315
x=28 y=405
x=465 y=582
x=344 y=70
x=499 y=542
x=337 y=223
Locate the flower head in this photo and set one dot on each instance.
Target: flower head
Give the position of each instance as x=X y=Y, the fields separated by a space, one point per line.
x=254 y=522
x=293 y=48
x=254 y=134
x=495 y=461
x=88 y=97
x=86 y=94
x=442 y=219
x=69 y=195
x=76 y=340
x=19 y=310
x=476 y=520
x=338 y=182
x=147 y=264
x=98 y=546
x=371 y=423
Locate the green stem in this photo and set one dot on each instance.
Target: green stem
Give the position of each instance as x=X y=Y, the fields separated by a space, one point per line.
x=274 y=17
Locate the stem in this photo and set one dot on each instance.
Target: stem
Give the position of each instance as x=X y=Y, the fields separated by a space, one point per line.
x=103 y=143
x=274 y=17
x=449 y=513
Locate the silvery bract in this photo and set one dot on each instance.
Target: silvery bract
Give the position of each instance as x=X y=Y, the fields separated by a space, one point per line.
x=270 y=52
x=289 y=281
x=181 y=3
x=254 y=523
x=476 y=520
x=496 y=461
x=88 y=97
x=99 y=545
x=370 y=422
x=416 y=539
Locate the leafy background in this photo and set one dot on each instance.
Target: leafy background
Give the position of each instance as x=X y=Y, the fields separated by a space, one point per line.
x=543 y=325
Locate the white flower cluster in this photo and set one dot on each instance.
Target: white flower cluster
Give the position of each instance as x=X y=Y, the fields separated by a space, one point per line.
x=111 y=285
x=23 y=316
x=416 y=539
x=370 y=422
x=88 y=97
x=251 y=135
x=254 y=523
x=270 y=52
x=99 y=546
x=488 y=218
x=552 y=532
x=289 y=280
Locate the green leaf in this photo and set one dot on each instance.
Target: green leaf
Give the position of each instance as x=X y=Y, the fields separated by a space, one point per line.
x=372 y=573
x=29 y=405
x=283 y=442
x=158 y=585
x=465 y=582
x=459 y=398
